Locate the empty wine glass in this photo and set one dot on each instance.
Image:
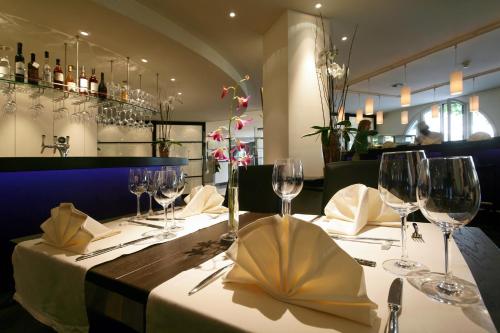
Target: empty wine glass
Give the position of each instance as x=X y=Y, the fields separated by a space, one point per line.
x=449 y=196
x=137 y=184
x=181 y=185
x=397 y=185
x=150 y=189
x=165 y=193
x=288 y=178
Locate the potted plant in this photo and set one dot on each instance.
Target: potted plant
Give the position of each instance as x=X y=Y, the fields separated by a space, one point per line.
x=164 y=129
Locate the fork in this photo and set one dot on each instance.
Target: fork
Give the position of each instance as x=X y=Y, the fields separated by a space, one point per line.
x=416 y=236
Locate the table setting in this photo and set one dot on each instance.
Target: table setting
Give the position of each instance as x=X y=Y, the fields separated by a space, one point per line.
x=286 y=272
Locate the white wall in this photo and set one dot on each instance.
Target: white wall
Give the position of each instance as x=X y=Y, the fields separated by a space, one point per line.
x=489 y=105
x=21 y=132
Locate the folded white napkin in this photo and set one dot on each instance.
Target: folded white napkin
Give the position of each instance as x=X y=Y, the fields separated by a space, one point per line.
x=70 y=229
x=297 y=262
x=203 y=199
x=355 y=206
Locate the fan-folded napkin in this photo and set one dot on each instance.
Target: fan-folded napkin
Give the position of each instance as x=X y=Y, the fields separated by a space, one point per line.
x=297 y=262
x=203 y=199
x=69 y=229
x=355 y=206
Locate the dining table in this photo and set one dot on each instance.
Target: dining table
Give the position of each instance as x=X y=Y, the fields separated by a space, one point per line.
x=147 y=290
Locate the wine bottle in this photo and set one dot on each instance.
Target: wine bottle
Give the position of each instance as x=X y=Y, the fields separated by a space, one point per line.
x=93 y=84
x=33 y=66
x=102 y=90
x=58 y=75
x=83 y=82
x=19 y=63
x=47 y=71
x=70 y=81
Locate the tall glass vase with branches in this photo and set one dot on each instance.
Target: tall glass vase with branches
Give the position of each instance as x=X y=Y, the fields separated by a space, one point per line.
x=164 y=129
x=333 y=85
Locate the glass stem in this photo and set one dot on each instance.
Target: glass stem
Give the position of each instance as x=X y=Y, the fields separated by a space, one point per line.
x=173 y=214
x=404 y=250
x=138 y=206
x=165 y=209
x=286 y=207
x=448 y=275
x=150 y=204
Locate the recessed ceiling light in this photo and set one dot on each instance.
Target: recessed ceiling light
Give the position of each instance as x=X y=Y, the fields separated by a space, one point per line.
x=179 y=93
x=318 y=6
x=232 y=14
x=172 y=79
x=84 y=33
x=144 y=60
x=344 y=38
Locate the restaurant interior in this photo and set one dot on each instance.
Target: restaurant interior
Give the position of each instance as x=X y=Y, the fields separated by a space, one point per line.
x=256 y=166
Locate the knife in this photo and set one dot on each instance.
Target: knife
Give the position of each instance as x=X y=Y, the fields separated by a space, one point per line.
x=340 y=236
x=394 y=301
x=111 y=248
x=147 y=224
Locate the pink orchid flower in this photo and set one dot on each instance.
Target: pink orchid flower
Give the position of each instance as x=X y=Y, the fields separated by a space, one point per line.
x=217 y=135
x=246 y=160
x=219 y=155
x=240 y=123
x=240 y=145
x=242 y=102
x=224 y=92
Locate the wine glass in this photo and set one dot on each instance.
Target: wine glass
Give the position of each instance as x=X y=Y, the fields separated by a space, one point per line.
x=137 y=184
x=288 y=177
x=397 y=185
x=150 y=189
x=449 y=195
x=165 y=193
x=181 y=185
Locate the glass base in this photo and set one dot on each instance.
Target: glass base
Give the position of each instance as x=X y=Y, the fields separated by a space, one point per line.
x=455 y=292
x=228 y=238
x=403 y=267
x=160 y=235
x=176 y=227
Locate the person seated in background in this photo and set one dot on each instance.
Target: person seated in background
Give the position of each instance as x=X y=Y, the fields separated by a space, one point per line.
x=478 y=136
x=427 y=137
x=360 y=144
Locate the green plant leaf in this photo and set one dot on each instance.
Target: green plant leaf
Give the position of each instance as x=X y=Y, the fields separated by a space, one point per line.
x=346 y=123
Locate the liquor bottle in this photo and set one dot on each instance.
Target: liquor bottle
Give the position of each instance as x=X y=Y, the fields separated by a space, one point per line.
x=58 y=75
x=47 y=71
x=4 y=64
x=83 y=82
x=70 y=81
x=102 y=90
x=33 y=66
x=93 y=84
x=19 y=63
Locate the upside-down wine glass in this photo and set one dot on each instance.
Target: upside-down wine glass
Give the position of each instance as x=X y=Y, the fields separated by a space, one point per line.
x=288 y=178
x=449 y=196
x=397 y=185
x=165 y=191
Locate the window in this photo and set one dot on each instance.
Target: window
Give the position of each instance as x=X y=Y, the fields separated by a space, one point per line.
x=457 y=124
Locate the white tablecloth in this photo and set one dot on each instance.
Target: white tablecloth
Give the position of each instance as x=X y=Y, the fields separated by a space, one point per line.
x=219 y=307
x=50 y=283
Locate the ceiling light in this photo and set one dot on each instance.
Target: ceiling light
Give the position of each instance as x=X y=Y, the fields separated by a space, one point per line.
x=317 y=6
x=456 y=83
x=369 y=106
x=179 y=93
x=359 y=115
x=341 y=114
x=405 y=96
x=172 y=79
x=84 y=33
x=435 y=111
x=232 y=14
x=404 y=117
x=144 y=60
x=344 y=38
x=474 y=103
x=380 y=117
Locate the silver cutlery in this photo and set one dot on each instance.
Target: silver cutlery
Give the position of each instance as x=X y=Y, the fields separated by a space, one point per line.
x=416 y=236
x=212 y=277
x=112 y=248
x=146 y=224
x=160 y=218
x=334 y=235
x=394 y=301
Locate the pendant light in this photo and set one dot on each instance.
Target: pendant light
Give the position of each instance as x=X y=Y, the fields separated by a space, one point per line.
x=380 y=114
x=404 y=117
x=456 y=79
x=435 y=107
x=474 y=99
x=359 y=111
x=405 y=92
x=369 y=103
x=341 y=114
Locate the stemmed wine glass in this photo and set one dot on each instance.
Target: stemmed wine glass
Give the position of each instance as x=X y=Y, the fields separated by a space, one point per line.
x=181 y=185
x=165 y=193
x=288 y=178
x=397 y=185
x=150 y=189
x=137 y=183
x=449 y=195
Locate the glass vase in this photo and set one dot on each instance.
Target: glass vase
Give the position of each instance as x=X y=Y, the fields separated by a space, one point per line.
x=233 y=205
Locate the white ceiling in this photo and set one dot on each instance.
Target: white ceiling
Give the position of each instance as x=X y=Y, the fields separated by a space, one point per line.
x=195 y=41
